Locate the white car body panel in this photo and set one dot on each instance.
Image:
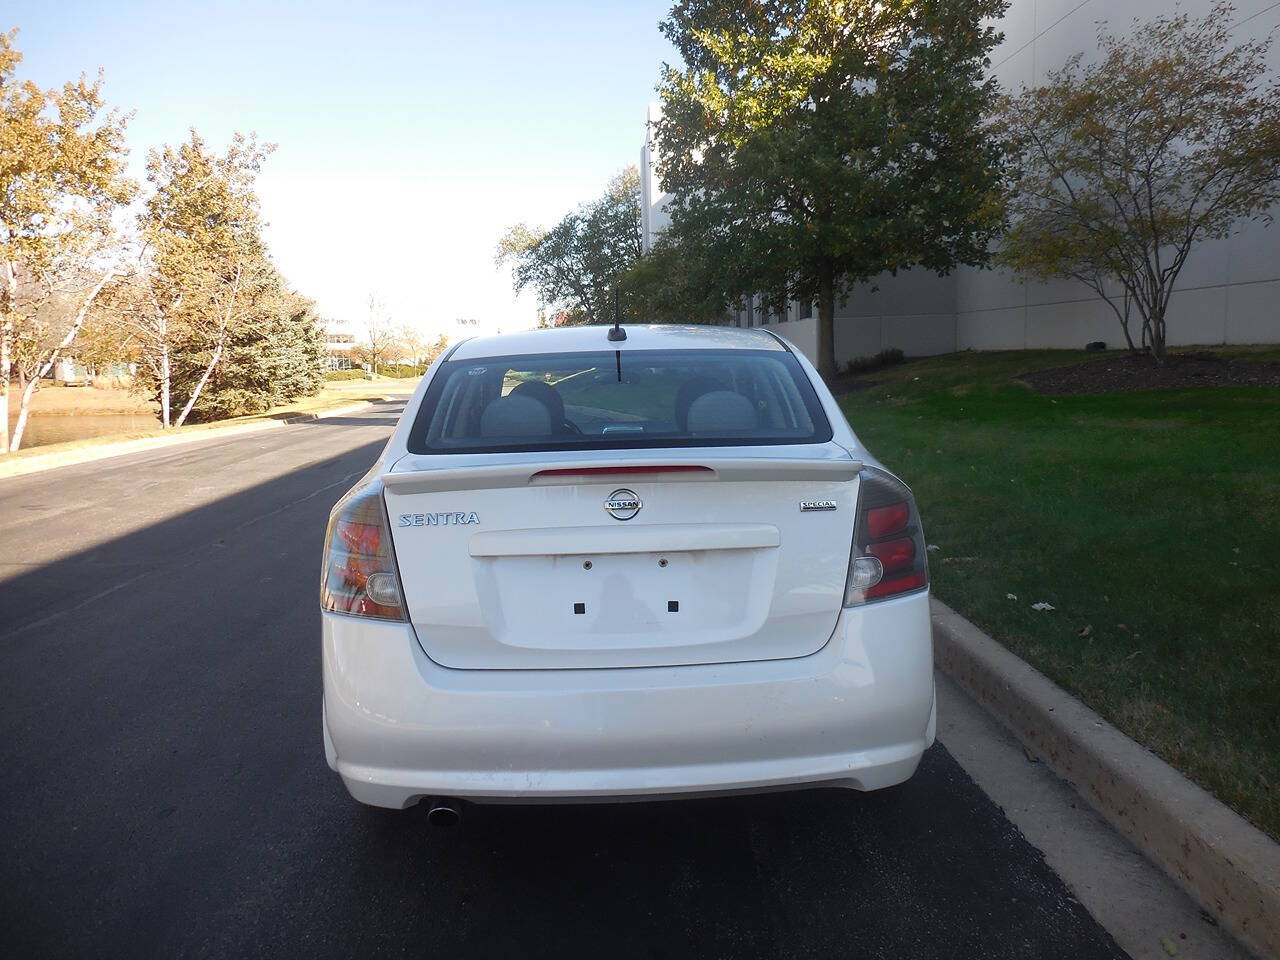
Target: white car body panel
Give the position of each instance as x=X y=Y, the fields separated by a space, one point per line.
x=514 y=609
x=857 y=714
x=497 y=690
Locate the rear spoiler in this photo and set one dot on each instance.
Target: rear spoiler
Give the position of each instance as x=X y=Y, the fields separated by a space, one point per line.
x=564 y=473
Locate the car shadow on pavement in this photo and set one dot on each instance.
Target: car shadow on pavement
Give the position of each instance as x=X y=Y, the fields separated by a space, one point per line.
x=390 y=420
x=927 y=869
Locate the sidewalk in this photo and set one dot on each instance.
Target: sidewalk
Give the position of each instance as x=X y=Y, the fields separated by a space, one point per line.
x=1231 y=868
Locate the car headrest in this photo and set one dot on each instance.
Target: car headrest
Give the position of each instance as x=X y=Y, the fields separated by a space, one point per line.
x=689 y=391
x=546 y=395
x=512 y=416
x=721 y=411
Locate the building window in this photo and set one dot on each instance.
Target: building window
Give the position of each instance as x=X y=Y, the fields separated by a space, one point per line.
x=805 y=311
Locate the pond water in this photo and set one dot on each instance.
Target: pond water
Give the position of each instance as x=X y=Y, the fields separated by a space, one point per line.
x=54 y=428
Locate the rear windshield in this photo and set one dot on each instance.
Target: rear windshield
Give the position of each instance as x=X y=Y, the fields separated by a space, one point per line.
x=618 y=399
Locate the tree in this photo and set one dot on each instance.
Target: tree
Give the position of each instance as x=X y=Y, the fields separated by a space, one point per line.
x=669 y=284
x=1170 y=138
x=577 y=265
x=809 y=145
x=435 y=348
x=277 y=355
x=54 y=320
x=413 y=343
x=137 y=321
x=423 y=349
x=382 y=337
x=61 y=178
x=206 y=264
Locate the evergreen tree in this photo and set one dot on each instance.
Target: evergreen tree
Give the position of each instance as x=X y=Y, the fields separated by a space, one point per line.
x=276 y=356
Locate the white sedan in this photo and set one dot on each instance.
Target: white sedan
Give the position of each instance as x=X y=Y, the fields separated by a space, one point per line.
x=595 y=568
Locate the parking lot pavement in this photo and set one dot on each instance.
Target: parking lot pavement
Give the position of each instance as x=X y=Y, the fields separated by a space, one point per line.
x=164 y=791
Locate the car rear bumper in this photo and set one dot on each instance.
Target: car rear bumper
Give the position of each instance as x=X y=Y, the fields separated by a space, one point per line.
x=858 y=713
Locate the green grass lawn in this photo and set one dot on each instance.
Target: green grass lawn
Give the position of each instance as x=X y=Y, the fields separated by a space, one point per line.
x=1151 y=522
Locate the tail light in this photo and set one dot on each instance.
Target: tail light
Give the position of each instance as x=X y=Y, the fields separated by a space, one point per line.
x=888 y=556
x=359 y=576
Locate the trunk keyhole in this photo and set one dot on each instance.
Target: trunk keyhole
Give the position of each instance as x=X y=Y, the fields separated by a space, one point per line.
x=673 y=606
x=579 y=608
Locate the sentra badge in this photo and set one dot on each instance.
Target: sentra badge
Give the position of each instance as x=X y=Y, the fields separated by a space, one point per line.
x=456 y=518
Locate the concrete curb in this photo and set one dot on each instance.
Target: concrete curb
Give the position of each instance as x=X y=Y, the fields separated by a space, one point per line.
x=1228 y=866
x=65 y=458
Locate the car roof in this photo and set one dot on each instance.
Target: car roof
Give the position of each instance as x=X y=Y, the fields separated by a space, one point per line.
x=582 y=339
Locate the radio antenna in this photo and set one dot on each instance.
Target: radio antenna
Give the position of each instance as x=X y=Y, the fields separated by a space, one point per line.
x=616 y=333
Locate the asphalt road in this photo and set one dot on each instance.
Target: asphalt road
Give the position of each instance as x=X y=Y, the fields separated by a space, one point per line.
x=163 y=791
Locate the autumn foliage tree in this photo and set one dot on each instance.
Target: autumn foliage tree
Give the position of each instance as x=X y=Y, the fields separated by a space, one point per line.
x=809 y=145
x=1123 y=165
x=62 y=156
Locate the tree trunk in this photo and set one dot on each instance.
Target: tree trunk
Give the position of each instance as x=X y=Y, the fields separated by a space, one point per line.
x=160 y=338
x=6 y=334
x=195 y=394
x=165 y=380
x=1124 y=321
x=1157 y=335
x=25 y=409
x=827 y=325
x=10 y=297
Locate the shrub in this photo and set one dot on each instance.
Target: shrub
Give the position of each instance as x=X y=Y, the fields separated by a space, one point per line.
x=353 y=374
x=885 y=358
x=400 y=370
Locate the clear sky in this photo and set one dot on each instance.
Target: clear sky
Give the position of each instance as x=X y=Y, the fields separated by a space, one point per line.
x=410 y=135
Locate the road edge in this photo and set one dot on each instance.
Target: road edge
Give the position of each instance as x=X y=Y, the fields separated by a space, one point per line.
x=66 y=458
x=1230 y=867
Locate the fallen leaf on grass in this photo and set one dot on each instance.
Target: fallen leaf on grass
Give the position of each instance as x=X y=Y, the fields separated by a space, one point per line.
x=1011 y=596
x=1085 y=631
x=958 y=559
x=933 y=546
x=1133 y=655
x=1043 y=606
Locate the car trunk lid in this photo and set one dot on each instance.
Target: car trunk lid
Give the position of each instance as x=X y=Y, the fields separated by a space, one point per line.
x=624 y=558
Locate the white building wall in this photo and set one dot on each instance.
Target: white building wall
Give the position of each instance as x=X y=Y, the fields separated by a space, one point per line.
x=802 y=334
x=653 y=212
x=1228 y=292
x=914 y=311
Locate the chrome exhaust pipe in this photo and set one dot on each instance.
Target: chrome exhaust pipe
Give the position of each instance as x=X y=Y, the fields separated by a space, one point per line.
x=444 y=813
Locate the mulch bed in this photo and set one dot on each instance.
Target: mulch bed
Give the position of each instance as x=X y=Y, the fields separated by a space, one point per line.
x=847 y=383
x=1180 y=371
